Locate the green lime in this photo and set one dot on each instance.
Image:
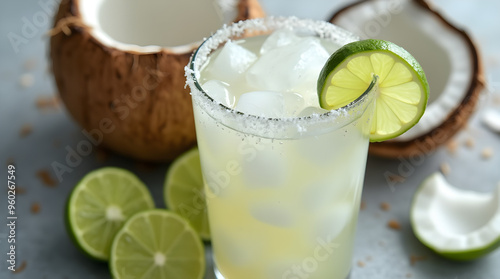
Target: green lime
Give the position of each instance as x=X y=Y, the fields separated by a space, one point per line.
x=157 y=244
x=183 y=191
x=100 y=204
x=402 y=86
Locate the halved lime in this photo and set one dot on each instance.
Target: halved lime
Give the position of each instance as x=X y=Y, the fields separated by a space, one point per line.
x=183 y=191
x=157 y=244
x=100 y=204
x=402 y=86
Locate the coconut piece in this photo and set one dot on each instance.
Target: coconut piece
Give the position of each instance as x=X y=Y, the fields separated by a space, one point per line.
x=25 y=130
x=46 y=178
x=394 y=178
x=470 y=143
x=26 y=80
x=445 y=168
x=394 y=224
x=415 y=258
x=455 y=223
x=21 y=267
x=122 y=79
x=35 y=208
x=447 y=54
x=47 y=102
x=362 y=205
x=385 y=206
x=20 y=190
x=452 y=146
x=29 y=64
x=496 y=100
x=491 y=118
x=487 y=153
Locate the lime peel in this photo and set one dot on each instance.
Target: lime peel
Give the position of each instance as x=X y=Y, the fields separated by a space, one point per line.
x=184 y=191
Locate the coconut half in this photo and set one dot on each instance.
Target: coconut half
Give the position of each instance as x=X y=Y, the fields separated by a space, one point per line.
x=457 y=224
x=119 y=68
x=447 y=54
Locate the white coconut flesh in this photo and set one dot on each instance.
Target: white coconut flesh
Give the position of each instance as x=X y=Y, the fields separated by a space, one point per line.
x=448 y=219
x=440 y=50
x=147 y=26
x=491 y=118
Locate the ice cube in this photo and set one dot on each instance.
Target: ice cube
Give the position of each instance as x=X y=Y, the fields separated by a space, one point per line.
x=323 y=194
x=263 y=166
x=279 y=38
x=271 y=104
x=292 y=68
x=262 y=103
x=219 y=91
x=308 y=111
x=293 y=103
x=272 y=213
x=232 y=61
x=334 y=221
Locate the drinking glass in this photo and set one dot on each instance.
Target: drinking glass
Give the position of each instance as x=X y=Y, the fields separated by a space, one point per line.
x=282 y=194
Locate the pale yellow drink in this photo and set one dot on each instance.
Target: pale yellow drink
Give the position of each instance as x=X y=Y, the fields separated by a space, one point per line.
x=282 y=194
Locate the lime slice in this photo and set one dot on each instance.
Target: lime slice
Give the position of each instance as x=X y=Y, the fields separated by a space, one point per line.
x=183 y=191
x=100 y=204
x=157 y=244
x=402 y=86
x=457 y=224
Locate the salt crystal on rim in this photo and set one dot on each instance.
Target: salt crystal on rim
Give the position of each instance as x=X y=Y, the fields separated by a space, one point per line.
x=278 y=128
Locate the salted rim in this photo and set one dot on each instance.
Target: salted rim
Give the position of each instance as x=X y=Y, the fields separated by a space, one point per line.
x=277 y=128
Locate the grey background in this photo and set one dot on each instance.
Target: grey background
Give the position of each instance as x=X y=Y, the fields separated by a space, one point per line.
x=42 y=240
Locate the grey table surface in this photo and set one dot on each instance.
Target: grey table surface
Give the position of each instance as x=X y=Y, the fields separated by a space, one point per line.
x=44 y=246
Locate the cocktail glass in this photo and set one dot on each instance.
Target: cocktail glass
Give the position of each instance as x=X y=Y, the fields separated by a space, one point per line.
x=282 y=194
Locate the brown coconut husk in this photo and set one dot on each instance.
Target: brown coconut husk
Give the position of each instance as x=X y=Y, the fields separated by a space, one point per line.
x=137 y=101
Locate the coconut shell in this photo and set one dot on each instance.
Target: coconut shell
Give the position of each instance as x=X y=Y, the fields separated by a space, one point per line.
x=132 y=103
x=456 y=120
